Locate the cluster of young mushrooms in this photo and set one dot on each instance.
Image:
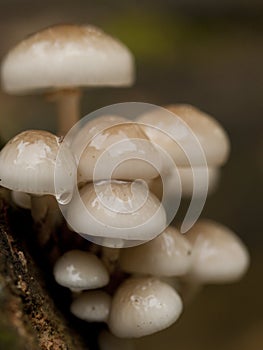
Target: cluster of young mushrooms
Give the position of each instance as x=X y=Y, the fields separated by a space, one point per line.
x=158 y=265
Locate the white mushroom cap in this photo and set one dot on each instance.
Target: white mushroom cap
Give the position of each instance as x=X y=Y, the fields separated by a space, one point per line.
x=117 y=151
x=116 y=209
x=169 y=254
x=143 y=306
x=174 y=133
x=219 y=256
x=66 y=56
x=28 y=162
x=79 y=270
x=92 y=306
x=108 y=341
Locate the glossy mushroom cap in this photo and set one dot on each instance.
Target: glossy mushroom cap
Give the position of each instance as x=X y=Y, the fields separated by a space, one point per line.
x=92 y=128
x=143 y=306
x=169 y=254
x=119 y=151
x=116 y=210
x=67 y=56
x=92 y=306
x=176 y=128
x=219 y=256
x=79 y=270
x=28 y=164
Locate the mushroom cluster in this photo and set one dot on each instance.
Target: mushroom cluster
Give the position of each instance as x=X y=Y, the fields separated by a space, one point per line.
x=114 y=178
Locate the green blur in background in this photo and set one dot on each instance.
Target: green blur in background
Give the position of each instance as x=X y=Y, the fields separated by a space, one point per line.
x=206 y=53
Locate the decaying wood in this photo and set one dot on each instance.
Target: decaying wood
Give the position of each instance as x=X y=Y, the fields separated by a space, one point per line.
x=28 y=316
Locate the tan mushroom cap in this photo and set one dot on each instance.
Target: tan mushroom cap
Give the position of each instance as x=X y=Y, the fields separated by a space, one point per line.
x=92 y=306
x=117 y=151
x=169 y=254
x=142 y=306
x=219 y=256
x=28 y=164
x=116 y=210
x=169 y=130
x=79 y=270
x=67 y=56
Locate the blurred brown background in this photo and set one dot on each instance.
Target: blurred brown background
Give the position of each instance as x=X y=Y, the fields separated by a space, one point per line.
x=209 y=54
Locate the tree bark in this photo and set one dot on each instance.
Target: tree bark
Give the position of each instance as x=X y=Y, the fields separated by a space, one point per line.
x=28 y=317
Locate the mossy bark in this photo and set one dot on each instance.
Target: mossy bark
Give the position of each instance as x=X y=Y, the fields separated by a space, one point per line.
x=29 y=318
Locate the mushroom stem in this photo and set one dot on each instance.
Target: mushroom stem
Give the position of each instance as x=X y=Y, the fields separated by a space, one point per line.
x=46 y=215
x=68 y=109
x=189 y=289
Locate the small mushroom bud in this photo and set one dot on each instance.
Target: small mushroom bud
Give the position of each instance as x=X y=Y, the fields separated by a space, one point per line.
x=169 y=254
x=92 y=306
x=79 y=270
x=219 y=256
x=143 y=306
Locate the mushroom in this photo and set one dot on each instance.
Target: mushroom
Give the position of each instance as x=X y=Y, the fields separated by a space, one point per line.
x=169 y=254
x=28 y=163
x=121 y=211
x=219 y=256
x=40 y=164
x=79 y=270
x=62 y=58
x=187 y=134
x=92 y=306
x=142 y=306
x=112 y=147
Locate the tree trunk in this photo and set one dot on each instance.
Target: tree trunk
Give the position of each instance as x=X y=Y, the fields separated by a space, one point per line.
x=29 y=318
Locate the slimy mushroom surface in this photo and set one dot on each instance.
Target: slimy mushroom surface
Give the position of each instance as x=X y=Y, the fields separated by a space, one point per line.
x=142 y=306
x=29 y=160
x=116 y=210
x=92 y=306
x=219 y=256
x=79 y=270
x=169 y=254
